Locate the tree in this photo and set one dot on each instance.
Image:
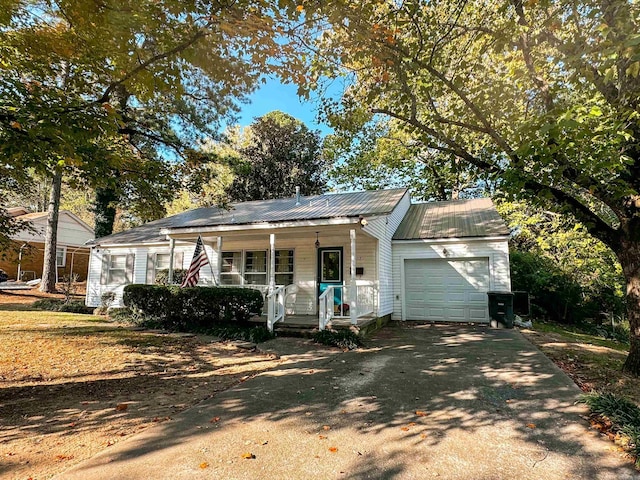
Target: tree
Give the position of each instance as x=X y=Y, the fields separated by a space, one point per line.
x=111 y=92
x=543 y=95
x=380 y=156
x=277 y=153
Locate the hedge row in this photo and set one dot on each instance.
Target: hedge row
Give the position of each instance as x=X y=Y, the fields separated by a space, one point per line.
x=191 y=309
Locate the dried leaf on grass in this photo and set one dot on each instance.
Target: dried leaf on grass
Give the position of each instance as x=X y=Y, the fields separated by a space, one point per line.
x=333 y=449
x=204 y=465
x=248 y=456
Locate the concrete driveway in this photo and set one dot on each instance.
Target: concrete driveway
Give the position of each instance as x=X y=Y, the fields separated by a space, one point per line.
x=447 y=402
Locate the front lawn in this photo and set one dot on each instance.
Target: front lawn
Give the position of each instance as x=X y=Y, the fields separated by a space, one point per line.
x=72 y=385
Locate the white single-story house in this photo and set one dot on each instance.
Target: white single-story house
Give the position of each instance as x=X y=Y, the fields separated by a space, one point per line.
x=350 y=255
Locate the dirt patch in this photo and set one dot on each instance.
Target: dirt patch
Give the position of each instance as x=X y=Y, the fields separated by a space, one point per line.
x=72 y=385
x=592 y=366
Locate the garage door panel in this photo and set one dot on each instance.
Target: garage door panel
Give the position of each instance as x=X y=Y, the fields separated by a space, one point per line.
x=447 y=289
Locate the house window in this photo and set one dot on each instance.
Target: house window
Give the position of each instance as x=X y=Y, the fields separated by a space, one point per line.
x=117 y=270
x=255 y=267
x=163 y=260
x=61 y=256
x=231 y=268
x=284 y=267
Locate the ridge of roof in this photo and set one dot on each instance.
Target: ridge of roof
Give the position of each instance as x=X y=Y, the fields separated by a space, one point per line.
x=314 y=207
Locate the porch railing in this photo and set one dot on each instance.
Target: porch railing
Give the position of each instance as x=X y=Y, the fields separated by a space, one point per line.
x=275 y=307
x=335 y=302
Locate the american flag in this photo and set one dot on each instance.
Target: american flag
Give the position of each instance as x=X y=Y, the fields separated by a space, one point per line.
x=199 y=260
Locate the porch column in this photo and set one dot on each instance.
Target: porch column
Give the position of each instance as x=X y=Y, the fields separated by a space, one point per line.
x=172 y=247
x=219 y=262
x=353 y=304
x=272 y=262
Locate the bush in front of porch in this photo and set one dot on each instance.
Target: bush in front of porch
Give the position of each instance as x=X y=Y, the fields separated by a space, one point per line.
x=195 y=309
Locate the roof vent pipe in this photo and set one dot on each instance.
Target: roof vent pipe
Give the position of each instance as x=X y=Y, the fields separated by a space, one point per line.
x=297 y=196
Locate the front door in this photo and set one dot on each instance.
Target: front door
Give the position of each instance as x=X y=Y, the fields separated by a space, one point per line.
x=330 y=269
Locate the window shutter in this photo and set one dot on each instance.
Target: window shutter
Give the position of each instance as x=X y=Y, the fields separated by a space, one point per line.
x=151 y=268
x=130 y=261
x=178 y=260
x=104 y=274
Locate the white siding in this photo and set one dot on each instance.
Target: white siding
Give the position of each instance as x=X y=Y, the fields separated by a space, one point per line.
x=496 y=251
x=306 y=257
x=95 y=289
x=70 y=232
x=305 y=260
x=383 y=229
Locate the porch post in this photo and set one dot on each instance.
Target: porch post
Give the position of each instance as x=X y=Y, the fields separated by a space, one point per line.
x=172 y=247
x=272 y=263
x=219 y=261
x=353 y=304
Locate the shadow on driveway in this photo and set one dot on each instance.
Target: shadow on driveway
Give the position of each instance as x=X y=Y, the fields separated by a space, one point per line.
x=454 y=402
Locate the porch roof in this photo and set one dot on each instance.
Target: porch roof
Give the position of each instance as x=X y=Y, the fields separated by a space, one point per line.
x=451 y=219
x=316 y=207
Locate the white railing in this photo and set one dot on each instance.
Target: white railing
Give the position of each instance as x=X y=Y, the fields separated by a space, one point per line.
x=326 y=308
x=275 y=307
x=366 y=297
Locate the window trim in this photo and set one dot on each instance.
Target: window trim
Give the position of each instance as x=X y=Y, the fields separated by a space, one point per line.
x=243 y=258
x=110 y=269
x=64 y=256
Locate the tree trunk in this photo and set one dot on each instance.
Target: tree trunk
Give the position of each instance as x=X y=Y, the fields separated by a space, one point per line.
x=105 y=211
x=48 y=282
x=629 y=256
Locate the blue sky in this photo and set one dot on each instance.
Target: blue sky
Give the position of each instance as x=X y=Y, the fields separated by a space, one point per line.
x=275 y=96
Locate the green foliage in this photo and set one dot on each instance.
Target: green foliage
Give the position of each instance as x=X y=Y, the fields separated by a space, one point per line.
x=192 y=309
x=623 y=414
x=56 y=305
x=345 y=339
x=562 y=265
x=248 y=334
x=162 y=276
x=276 y=154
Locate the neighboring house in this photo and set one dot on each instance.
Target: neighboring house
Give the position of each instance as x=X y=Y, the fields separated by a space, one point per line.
x=24 y=258
x=432 y=261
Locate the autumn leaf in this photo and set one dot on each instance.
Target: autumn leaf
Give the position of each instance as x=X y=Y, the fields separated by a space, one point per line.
x=322 y=437
x=420 y=413
x=300 y=8
x=121 y=407
x=333 y=449
x=64 y=457
x=15 y=125
x=248 y=456
x=531 y=425
x=214 y=420
x=405 y=429
x=423 y=436
x=204 y=465
x=326 y=427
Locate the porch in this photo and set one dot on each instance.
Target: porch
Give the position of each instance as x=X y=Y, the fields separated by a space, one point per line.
x=320 y=275
x=307 y=325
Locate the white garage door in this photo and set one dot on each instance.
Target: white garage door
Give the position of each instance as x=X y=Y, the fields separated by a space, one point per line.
x=447 y=290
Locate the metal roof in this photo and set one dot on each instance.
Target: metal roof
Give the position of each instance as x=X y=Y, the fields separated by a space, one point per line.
x=451 y=219
x=316 y=207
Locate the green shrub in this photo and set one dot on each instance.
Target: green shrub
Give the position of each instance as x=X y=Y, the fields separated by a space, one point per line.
x=191 y=309
x=622 y=413
x=345 y=339
x=162 y=276
x=55 y=305
x=252 y=334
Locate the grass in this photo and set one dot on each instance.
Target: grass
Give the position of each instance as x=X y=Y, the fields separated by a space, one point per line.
x=63 y=375
x=623 y=415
